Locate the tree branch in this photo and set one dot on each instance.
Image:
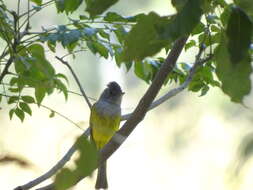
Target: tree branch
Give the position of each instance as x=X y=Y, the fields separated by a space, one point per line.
x=176 y=90
x=76 y=79
x=156 y=103
x=141 y=109
x=6 y=69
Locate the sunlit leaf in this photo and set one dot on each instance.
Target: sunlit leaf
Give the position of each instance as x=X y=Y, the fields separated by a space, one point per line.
x=20 y=113
x=40 y=93
x=28 y=99
x=37 y=2
x=25 y=107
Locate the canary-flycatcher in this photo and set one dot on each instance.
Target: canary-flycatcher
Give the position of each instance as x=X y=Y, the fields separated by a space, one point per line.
x=104 y=122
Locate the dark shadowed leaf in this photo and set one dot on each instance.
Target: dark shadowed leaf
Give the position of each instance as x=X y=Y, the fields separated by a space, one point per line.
x=139 y=44
x=235 y=78
x=184 y=22
x=160 y=31
x=247 y=6
x=71 y=5
x=96 y=7
x=179 y=4
x=239 y=32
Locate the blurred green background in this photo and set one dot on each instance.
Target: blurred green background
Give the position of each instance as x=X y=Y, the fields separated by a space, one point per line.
x=189 y=142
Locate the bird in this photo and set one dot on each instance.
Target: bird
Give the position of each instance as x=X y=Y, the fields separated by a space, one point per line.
x=104 y=122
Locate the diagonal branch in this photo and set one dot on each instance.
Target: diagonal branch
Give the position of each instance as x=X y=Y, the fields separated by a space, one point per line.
x=156 y=103
x=76 y=79
x=142 y=107
x=145 y=102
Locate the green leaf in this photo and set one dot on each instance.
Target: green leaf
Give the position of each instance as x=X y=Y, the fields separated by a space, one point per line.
x=65 y=179
x=104 y=34
x=120 y=33
x=13 y=99
x=143 y=70
x=101 y=49
x=61 y=86
x=198 y=29
x=96 y=7
x=14 y=90
x=179 y=4
x=239 y=33
x=11 y=113
x=85 y=164
x=235 y=78
x=114 y=17
x=13 y=81
x=204 y=90
x=247 y=6
x=20 y=113
x=189 y=44
x=60 y=75
x=71 y=5
x=52 y=114
x=160 y=31
x=139 y=44
x=37 y=2
x=40 y=93
x=25 y=107
x=195 y=85
x=28 y=99
x=40 y=69
x=88 y=159
x=184 y=22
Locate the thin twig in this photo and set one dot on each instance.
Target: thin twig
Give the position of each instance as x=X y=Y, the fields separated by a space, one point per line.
x=54 y=169
x=76 y=79
x=52 y=110
x=74 y=52
x=35 y=8
x=63 y=116
x=176 y=90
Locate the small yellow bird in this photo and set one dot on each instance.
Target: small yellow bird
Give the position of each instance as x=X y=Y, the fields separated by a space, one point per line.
x=104 y=122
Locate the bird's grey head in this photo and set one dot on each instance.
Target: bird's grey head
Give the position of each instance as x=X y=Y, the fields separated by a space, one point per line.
x=112 y=93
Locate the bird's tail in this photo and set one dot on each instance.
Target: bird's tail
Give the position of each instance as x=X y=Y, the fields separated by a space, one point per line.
x=101 y=182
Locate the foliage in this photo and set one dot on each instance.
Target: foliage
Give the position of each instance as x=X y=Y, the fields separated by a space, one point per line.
x=84 y=165
x=221 y=29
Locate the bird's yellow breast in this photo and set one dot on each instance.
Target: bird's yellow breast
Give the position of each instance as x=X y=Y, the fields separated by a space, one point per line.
x=104 y=122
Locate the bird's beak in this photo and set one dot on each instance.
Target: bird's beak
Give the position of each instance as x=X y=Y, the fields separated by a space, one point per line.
x=122 y=93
